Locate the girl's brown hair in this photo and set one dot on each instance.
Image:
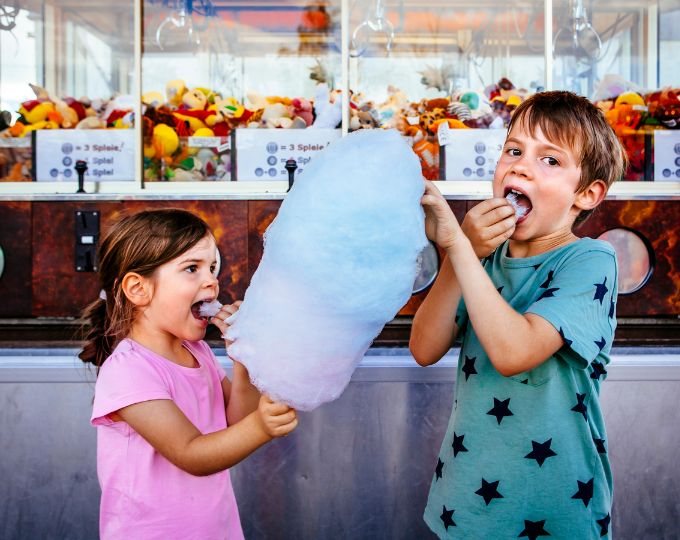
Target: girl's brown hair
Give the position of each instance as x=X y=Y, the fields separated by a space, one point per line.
x=138 y=243
x=573 y=121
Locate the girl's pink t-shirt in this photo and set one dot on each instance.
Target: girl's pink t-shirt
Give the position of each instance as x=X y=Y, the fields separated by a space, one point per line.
x=144 y=496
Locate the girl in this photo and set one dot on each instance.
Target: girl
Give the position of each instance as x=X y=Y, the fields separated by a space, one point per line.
x=169 y=422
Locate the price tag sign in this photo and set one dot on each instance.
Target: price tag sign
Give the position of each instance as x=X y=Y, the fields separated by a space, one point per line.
x=261 y=154
x=667 y=155
x=472 y=154
x=109 y=153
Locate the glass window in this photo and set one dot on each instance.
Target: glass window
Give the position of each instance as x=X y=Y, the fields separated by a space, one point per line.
x=212 y=68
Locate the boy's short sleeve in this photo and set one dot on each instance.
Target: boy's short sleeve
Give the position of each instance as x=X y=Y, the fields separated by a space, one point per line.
x=578 y=298
x=125 y=379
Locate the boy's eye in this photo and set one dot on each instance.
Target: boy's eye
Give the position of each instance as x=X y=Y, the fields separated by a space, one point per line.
x=549 y=160
x=513 y=152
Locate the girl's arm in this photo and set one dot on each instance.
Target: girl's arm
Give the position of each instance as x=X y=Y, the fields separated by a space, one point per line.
x=240 y=395
x=243 y=396
x=513 y=342
x=165 y=427
x=434 y=327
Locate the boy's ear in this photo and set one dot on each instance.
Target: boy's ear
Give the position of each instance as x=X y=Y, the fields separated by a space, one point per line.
x=591 y=196
x=137 y=289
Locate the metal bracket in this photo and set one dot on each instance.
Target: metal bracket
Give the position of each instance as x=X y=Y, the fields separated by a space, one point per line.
x=87 y=236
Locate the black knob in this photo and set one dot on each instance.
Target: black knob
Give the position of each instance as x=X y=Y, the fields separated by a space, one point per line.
x=81 y=167
x=291 y=166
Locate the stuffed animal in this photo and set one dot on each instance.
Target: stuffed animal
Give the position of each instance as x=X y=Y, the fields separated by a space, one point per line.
x=328 y=112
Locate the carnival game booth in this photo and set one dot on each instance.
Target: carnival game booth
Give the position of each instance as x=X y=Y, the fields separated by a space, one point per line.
x=217 y=107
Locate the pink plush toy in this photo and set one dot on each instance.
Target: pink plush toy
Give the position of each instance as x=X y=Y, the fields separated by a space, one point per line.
x=302 y=108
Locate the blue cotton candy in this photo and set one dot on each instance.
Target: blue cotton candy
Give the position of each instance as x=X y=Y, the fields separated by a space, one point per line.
x=340 y=260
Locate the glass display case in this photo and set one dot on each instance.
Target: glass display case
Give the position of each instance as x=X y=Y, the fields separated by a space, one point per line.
x=226 y=91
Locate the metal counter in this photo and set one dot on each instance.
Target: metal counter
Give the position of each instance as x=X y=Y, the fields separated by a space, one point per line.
x=357 y=468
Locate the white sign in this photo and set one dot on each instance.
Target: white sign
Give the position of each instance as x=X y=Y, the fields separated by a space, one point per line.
x=261 y=154
x=472 y=154
x=667 y=155
x=109 y=154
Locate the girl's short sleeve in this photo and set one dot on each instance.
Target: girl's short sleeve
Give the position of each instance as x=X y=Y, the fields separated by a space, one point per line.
x=124 y=379
x=578 y=299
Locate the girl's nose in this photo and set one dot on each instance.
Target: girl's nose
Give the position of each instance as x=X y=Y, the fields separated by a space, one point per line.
x=211 y=280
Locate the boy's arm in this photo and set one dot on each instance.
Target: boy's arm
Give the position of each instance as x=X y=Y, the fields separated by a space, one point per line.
x=513 y=342
x=434 y=328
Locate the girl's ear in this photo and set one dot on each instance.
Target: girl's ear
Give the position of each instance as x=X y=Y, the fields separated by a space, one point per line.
x=591 y=196
x=137 y=289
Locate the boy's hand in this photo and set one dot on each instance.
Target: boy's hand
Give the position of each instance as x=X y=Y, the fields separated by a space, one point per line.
x=489 y=224
x=223 y=318
x=441 y=226
x=276 y=419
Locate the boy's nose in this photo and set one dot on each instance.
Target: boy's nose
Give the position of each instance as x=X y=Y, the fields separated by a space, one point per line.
x=520 y=167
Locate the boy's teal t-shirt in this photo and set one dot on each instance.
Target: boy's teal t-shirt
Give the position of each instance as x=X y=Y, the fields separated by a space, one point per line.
x=526 y=456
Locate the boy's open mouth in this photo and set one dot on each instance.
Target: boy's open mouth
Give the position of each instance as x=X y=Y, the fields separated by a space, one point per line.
x=520 y=202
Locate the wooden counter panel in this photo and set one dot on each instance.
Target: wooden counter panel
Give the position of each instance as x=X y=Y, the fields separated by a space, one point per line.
x=657 y=221
x=60 y=291
x=15 y=241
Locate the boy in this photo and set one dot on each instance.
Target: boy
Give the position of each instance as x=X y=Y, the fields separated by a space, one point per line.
x=525 y=453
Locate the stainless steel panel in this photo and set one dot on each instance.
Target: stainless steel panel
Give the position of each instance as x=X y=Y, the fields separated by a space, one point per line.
x=357 y=468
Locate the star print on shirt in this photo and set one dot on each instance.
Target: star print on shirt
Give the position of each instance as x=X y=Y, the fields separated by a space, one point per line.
x=599 y=445
x=600 y=290
x=604 y=524
x=612 y=305
x=600 y=343
x=500 y=289
x=567 y=342
x=598 y=370
x=500 y=409
x=489 y=491
x=458 y=444
x=447 y=518
x=548 y=280
x=548 y=293
x=540 y=452
x=585 y=491
x=438 y=470
x=581 y=407
x=469 y=367
x=533 y=529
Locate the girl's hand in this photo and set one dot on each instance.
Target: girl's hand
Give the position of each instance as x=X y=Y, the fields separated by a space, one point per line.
x=222 y=320
x=276 y=419
x=441 y=225
x=489 y=224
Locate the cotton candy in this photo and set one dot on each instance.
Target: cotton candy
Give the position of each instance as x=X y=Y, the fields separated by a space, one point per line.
x=339 y=261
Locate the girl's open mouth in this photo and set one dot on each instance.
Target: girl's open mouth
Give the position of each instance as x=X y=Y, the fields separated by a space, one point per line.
x=197 y=312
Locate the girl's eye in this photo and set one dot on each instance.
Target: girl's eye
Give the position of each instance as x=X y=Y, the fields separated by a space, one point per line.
x=192 y=268
x=549 y=160
x=213 y=269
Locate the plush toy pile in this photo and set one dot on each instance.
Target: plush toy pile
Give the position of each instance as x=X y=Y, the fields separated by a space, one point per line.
x=168 y=120
x=634 y=115
x=47 y=111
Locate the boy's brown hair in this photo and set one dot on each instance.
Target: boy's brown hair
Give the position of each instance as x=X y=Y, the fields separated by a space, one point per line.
x=573 y=121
